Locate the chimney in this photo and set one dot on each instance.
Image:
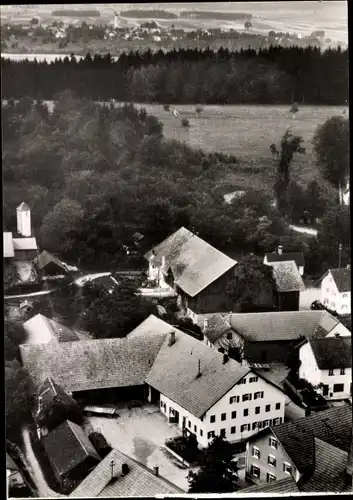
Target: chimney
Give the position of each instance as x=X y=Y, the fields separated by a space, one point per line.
x=171 y=338
x=348 y=266
x=205 y=324
x=225 y=358
x=163 y=261
x=124 y=469
x=199 y=368
x=280 y=249
x=221 y=349
x=156 y=470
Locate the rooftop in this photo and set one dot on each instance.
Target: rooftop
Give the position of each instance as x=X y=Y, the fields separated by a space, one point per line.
x=298 y=257
x=92 y=364
x=67 y=446
x=46 y=258
x=342 y=278
x=8 y=245
x=217 y=325
x=48 y=392
x=175 y=374
x=23 y=207
x=139 y=481
x=151 y=326
x=24 y=244
x=195 y=264
x=298 y=444
x=287 y=276
x=41 y=330
x=286 y=485
x=332 y=352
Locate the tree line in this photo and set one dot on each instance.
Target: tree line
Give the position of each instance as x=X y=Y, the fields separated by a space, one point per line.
x=274 y=75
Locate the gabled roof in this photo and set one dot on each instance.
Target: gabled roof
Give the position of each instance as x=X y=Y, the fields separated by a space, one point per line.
x=217 y=325
x=10 y=464
x=152 y=326
x=139 y=481
x=273 y=326
x=8 y=245
x=298 y=257
x=332 y=352
x=45 y=258
x=194 y=262
x=286 y=485
x=47 y=392
x=23 y=207
x=67 y=446
x=342 y=278
x=174 y=374
x=24 y=244
x=330 y=470
x=92 y=364
x=41 y=330
x=287 y=276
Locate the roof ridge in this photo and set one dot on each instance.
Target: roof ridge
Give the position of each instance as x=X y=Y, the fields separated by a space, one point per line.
x=77 y=437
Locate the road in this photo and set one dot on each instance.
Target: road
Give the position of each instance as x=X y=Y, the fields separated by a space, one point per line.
x=306 y=230
x=34 y=469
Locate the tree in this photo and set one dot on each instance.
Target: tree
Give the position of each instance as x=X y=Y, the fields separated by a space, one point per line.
x=111 y=313
x=219 y=472
x=247 y=25
x=331 y=147
x=185 y=123
x=14 y=336
x=253 y=286
x=18 y=398
x=294 y=109
x=166 y=107
x=198 y=111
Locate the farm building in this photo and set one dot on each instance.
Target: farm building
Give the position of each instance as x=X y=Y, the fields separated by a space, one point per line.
x=279 y=256
x=50 y=265
x=198 y=272
x=41 y=330
x=289 y=284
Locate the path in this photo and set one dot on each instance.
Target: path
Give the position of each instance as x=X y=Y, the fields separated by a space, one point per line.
x=35 y=469
x=89 y=277
x=306 y=230
x=26 y=295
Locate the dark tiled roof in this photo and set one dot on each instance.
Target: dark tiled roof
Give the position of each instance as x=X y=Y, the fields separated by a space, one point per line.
x=217 y=325
x=330 y=470
x=48 y=391
x=298 y=444
x=45 y=258
x=298 y=257
x=287 y=276
x=139 y=481
x=92 y=364
x=342 y=278
x=332 y=352
x=194 y=262
x=67 y=446
x=286 y=485
x=272 y=326
x=175 y=371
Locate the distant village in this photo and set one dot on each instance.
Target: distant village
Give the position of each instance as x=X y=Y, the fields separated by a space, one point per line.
x=276 y=385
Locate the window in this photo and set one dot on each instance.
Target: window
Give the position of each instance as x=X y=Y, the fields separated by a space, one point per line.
x=338 y=387
x=345 y=295
x=265 y=423
x=246 y=412
x=344 y=306
x=223 y=416
x=287 y=468
x=234 y=414
x=330 y=372
x=229 y=335
x=245 y=427
x=255 y=471
x=254 y=426
x=201 y=432
x=162 y=405
x=243 y=381
x=271 y=460
x=247 y=397
x=327 y=290
x=257 y=410
x=210 y=434
x=223 y=433
x=195 y=428
x=212 y=418
x=232 y=429
x=268 y=408
x=276 y=421
x=234 y=399
x=270 y=478
x=342 y=371
x=253 y=379
x=255 y=452
x=332 y=305
x=272 y=442
x=278 y=406
x=259 y=395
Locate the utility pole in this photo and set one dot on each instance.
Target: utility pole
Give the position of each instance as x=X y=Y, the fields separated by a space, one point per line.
x=339 y=255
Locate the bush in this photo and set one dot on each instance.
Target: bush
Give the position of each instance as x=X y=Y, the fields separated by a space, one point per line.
x=186 y=448
x=185 y=123
x=166 y=107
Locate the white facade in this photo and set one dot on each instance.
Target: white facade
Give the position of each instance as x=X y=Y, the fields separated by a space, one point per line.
x=24 y=222
x=337 y=383
x=332 y=299
x=229 y=417
x=155 y=273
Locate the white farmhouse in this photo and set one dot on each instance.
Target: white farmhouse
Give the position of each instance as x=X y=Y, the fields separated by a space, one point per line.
x=336 y=290
x=328 y=362
x=205 y=393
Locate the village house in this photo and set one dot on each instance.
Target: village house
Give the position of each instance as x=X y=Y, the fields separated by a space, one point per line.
x=118 y=475
x=289 y=284
x=315 y=451
x=41 y=330
x=279 y=256
x=198 y=272
x=327 y=363
x=49 y=265
x=14 y=477
x=198 y=389
x=336 y=290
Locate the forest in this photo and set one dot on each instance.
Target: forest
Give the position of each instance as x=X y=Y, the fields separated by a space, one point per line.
x=94 y=175
x=275 y=75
